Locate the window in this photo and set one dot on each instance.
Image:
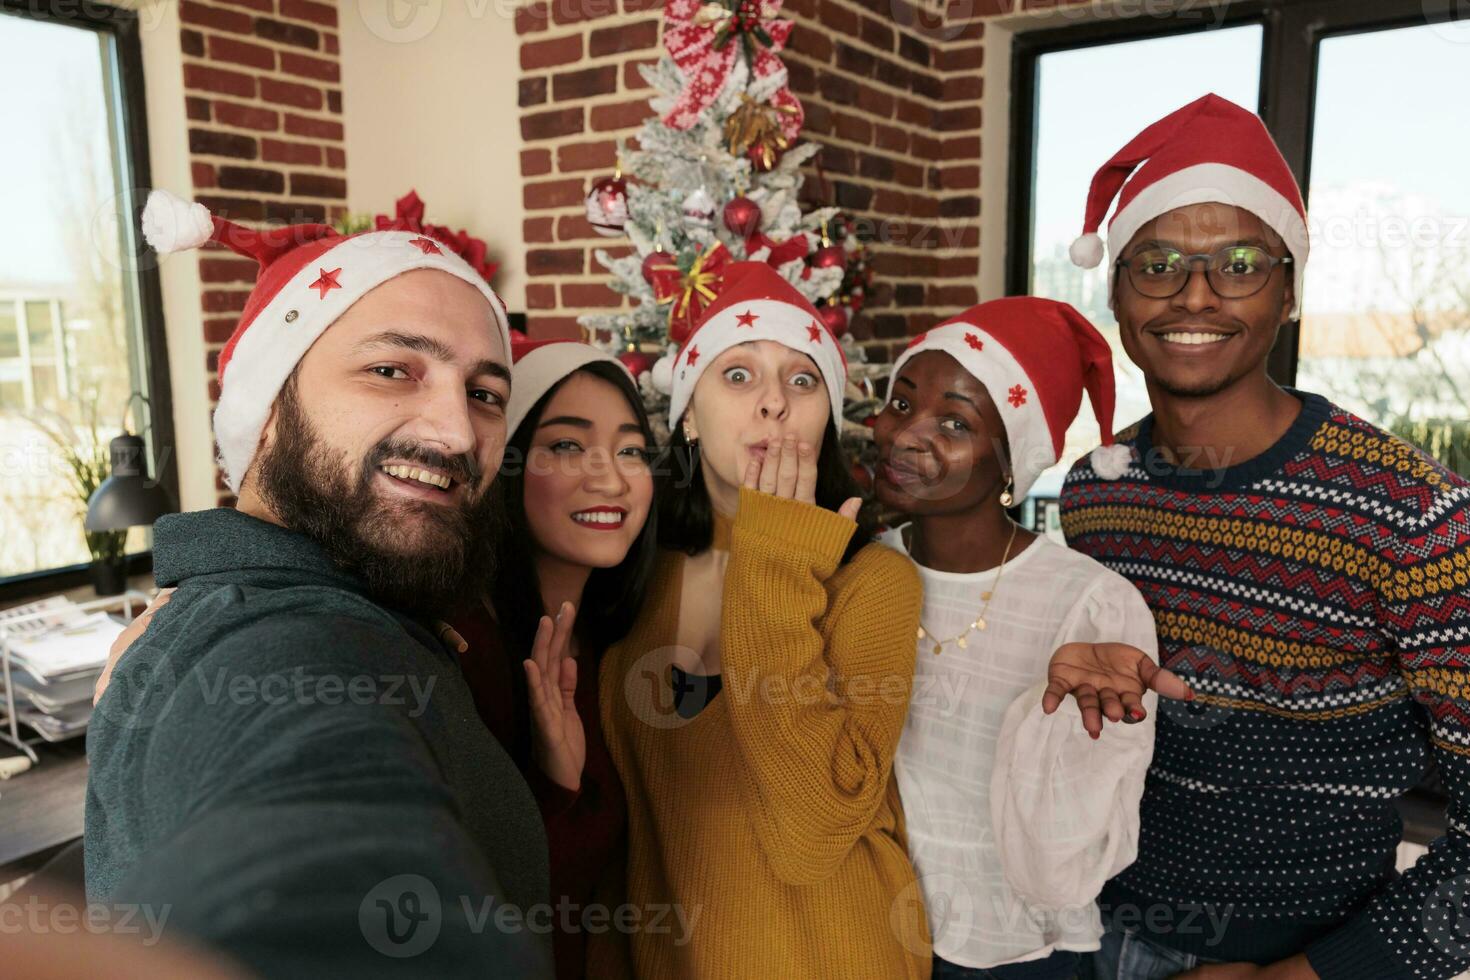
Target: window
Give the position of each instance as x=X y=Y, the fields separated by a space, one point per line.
x=1385 y=329
x=80 y=327
x=1385 y=326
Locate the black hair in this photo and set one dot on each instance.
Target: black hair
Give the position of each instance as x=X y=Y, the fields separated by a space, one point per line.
x=612 y=597
x=687 y=517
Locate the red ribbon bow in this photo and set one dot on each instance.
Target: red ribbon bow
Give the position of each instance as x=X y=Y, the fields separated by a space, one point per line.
x=689 y=291
x=409 y=216
x=701 y=38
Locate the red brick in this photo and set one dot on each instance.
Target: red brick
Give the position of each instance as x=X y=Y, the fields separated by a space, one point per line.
x=549 y=54
x=602 y=155
x=264 y=6
x=925 y=147
x=576 y=11
x=877 y=34
x=279 y=151
x=961 y=148
x=639 y=6
x=204 y=78
x=224 y=300
x=241 y=52
x=549 y=125
x=191 y=43
x=553 y=328
x=955 y=296
x=960 y=59
x=957 y=119
x=334 y=101
x=202 y=173
x=633 y=78
x=531 y=91
x=960 y=178
x=251 y=179
x=890 y=138
x=321 y=129
x=294 y=213
x=321 y=69
x=324 y=14
x=584 y=294
x=625 y=37
x=291 y=93
x=281 y=32
x=227 y=270
x=538 y=230
x=318 y=185
x=194 y=12
x=621 y=115
x=814 y=44
x=554 y=261
x=574 y=228
x=245 y=116
x=217 y=330
x=207 y=142
x=540 y=296
x=553 y=194
x=839 y=19
x=584 y=83
x=336 y=158
x=964 y=88
x=534 y=163
x=330 y=44
x=853 y=128
x=532 y=18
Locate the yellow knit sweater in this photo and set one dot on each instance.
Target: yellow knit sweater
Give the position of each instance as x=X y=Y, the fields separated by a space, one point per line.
x=771 y=818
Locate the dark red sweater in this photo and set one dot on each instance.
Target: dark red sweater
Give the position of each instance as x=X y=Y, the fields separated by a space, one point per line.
x=586 y=830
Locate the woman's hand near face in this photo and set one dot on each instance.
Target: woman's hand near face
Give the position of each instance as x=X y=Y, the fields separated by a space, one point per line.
x=560 y=744
x=125 y=639
x=791 y=472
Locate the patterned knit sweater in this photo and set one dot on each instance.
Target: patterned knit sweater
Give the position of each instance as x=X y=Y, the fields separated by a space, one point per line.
x=1315 y=597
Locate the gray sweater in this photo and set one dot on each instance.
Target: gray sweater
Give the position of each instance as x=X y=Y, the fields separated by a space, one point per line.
x=296 y=776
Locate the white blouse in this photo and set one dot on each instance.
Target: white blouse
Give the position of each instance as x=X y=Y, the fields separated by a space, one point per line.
x=1016 y=818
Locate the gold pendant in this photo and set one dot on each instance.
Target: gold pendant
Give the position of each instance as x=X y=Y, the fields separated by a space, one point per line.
x=921 y=632
x=979 y=624
x=985 y=597
x=962 y=643
x=937 y=648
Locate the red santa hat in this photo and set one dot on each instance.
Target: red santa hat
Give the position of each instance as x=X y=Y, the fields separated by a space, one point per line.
x=539 y=365
x=1210 y=151
x=309 y=276
x=1035 y=357
x=756 y=303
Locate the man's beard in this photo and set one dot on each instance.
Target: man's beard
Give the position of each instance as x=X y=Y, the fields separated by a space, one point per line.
x=416 y=556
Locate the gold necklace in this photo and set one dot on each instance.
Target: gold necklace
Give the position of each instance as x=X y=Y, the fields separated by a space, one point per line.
x=962 y=640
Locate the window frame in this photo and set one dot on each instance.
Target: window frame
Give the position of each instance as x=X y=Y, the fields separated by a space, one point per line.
x=1291 y=31
x=127 y=115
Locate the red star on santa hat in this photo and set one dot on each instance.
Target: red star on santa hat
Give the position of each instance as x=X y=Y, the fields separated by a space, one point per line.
x=747 y=319
x=974 y=341
x=691 y=356
x=816 y=332
x=326 y=283
x=426 y=246
x=1017 y=396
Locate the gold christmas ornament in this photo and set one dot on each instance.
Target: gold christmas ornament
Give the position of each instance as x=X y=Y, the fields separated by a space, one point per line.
x=756 y=126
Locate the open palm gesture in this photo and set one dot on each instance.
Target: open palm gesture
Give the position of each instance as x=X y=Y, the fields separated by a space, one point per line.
x=1108 y=681
x=551 y=681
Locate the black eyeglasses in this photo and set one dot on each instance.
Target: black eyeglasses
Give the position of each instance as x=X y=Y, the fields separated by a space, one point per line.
x=1234 y=272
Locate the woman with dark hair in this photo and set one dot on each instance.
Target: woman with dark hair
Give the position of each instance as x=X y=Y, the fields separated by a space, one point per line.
x=577 y=551
x=754 y=708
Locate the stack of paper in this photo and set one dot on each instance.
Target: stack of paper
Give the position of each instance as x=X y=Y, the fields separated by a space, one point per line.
x=55 y=659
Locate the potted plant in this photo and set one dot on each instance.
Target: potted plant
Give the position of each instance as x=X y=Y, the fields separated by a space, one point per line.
x=83 y=452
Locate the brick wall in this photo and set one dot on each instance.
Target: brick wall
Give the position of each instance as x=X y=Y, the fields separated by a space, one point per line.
x=264 y=103
x=890 y=89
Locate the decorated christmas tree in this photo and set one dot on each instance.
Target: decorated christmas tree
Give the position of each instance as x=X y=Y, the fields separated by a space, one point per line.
x=715 y=179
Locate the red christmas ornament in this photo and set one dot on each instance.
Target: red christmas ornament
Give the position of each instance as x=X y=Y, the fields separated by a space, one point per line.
x=835 y=317
x=607 y=206
x=763 y=156
x=637 y=361
x=656 y=261
x=830 y=257
x=743 y=216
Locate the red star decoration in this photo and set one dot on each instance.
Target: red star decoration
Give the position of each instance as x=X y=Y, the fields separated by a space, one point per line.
x=974 y=341
x=691 y=356
x=1017 y=396
x=426 y=246
x=326 y=283
x=815 y=332
x=747 y=319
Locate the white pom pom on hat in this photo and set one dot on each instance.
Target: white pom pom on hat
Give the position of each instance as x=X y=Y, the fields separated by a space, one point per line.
x=172 y=224
x=1086 y=251
x=1112 y=461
